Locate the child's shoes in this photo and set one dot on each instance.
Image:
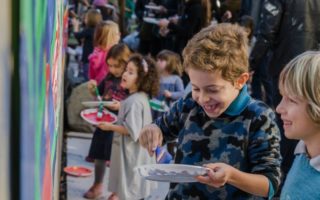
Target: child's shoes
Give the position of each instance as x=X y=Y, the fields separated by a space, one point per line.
x=94 y=192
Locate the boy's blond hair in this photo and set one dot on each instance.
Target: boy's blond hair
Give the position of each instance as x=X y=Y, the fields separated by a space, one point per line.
x=106 y=34
x=222 y=47
x=301 y=77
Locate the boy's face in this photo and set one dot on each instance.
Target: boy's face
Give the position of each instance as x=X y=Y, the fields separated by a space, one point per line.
x=212 y=92
x=296 y=122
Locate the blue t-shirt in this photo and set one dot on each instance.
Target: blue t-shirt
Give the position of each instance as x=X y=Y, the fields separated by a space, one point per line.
x=172 y=83
x=303 y=180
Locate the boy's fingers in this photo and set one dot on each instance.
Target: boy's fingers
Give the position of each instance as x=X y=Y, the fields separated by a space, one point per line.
x=143 y=140
x=150 y=142
x=211 y=174
x=203 y=179
x=150 y=138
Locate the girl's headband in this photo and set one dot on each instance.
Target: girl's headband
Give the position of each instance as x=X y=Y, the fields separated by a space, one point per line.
x=145 y=65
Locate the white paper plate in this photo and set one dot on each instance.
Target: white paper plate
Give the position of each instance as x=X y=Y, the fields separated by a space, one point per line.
x=159 y=106
x=151 y=20
x=90 y=114
x=174 y=173
x=151 y=7
x=92 y=104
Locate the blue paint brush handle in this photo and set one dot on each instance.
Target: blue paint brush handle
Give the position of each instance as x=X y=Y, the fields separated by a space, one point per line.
x=162 y=156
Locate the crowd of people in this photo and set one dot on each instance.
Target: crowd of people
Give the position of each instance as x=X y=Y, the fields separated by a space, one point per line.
x=241 y=83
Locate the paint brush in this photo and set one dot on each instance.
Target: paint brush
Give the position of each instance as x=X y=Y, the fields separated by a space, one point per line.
x=100 y=109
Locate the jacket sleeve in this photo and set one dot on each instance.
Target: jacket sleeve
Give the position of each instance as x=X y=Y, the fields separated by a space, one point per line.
x=139 y=9
x=272 y=11
x=170 y=122
x=264 y=147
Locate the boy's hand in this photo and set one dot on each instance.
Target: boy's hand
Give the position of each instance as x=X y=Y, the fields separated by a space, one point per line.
x=115 y=105
x=174 y=19
x=150 y=138
x=162 y=9
x=163 y=23
x=105 y=126
x=92 y=84
x=217 y=176
x=167 y=94
x=226 y=16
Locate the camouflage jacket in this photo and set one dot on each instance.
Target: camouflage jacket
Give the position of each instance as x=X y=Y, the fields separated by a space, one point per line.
x=245 y=136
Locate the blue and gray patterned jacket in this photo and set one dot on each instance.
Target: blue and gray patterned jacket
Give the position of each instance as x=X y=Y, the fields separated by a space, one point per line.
x=245 y=136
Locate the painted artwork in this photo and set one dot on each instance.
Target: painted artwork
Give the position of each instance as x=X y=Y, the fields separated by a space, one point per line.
x=4 y=100
x=42 y=47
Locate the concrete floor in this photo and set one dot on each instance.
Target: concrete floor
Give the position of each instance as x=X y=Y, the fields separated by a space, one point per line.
x=77 y=149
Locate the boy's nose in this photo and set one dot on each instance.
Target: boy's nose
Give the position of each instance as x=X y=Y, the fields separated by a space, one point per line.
x=203 y=98
x=279 y=108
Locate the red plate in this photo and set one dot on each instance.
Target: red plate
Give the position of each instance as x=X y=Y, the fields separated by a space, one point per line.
x=90 y=115
x=78 y=171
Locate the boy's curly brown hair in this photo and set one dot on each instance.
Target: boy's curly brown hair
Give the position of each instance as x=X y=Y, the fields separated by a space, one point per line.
x=148 y=78
x=222 y=47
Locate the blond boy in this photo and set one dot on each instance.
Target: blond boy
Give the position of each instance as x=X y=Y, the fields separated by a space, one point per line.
x=300 y=112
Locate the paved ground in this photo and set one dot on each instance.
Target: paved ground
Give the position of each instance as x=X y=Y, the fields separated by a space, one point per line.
x=77 y=149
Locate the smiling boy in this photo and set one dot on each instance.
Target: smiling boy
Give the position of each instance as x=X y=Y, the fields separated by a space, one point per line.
x=220 y=125
x=300 y=112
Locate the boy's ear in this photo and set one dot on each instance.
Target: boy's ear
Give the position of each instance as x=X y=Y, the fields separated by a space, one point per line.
x=241 y=81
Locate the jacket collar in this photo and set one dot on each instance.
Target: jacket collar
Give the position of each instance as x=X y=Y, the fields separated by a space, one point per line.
x=240 y=103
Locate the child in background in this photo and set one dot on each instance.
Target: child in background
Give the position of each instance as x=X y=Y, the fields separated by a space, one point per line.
x=142 y=81
x=300 y=112
x=110 y=90
x=260 y=77
x=170 y=69
x=247 y=23
x=85 y=37
x=220 y=123
x=171 y=86
x=106 y=35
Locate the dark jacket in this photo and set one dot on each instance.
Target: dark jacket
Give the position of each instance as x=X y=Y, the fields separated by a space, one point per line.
x=87 y=36
x=188 y=25
x=288 y=28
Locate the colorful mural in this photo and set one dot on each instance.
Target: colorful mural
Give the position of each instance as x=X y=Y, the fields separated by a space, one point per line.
x=4 y=100
x=42 y=43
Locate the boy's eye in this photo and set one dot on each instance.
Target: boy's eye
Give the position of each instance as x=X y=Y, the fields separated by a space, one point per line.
x=213 y=91
x=292 y=100
x=195 y=89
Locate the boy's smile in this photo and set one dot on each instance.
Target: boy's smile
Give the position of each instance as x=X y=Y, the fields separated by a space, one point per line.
x=211 y=91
